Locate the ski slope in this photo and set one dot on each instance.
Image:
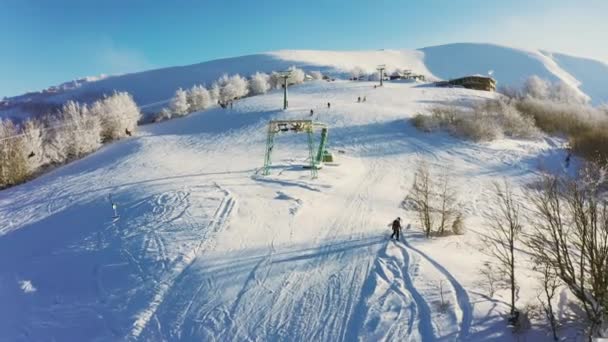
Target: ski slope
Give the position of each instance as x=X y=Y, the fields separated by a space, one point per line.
x=206 y=249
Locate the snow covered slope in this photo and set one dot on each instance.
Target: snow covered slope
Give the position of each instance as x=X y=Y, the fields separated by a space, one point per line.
x=509 y=66
x=208 y=250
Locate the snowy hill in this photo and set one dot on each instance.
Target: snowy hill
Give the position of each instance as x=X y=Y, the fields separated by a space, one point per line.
x=509 y=66
x=206 y=249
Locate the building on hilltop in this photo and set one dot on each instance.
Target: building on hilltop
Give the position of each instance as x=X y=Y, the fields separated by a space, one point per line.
x=477 y=82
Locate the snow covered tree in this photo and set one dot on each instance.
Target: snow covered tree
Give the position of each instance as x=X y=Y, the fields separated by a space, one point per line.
x=259 y=83
x=33 y=145
x=179 y=104
x=232 y=88
x=13 y=163
x=357 y=72
x=297 y=75
x=537 y=88
x=81 y=129
x=214 y=93
x=316 y=75
x=563 y=92
x=275 y=80
x=199 y=98
x=118 y=113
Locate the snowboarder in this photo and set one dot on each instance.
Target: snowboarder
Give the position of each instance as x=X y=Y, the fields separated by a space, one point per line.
x=396 y=226
x=328 y=105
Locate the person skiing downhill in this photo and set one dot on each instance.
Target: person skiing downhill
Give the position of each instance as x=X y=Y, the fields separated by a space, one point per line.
x=396 y=226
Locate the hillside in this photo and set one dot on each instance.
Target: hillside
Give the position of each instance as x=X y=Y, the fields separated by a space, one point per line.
x=509 y=66
x=207 y=249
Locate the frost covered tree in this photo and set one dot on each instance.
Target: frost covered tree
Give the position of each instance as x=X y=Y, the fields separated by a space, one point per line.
x=34 y=145
x=563 y=92
x=316 y=75
x=13 y=163
x=560 y=91
x=357 y=72
x=241 y=87
x=297 y=76
x=118 y=113
x=214 y=92
x=537 y=88
x=275 y=80
x=259 y=83
x=81 y=130
x=232 y=88
x=179 y=103
x=199 y=98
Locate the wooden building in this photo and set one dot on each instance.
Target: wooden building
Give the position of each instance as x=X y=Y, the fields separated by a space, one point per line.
x=476 y=82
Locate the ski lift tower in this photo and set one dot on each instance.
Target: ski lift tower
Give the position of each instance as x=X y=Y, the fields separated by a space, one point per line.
x=285 y=76
x=381 y=69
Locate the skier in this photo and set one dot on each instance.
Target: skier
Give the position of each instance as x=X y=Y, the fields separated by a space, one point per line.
x=359 y=99
x=312 y=112
x=328 y=105
x=364 y=98
x=396 y=226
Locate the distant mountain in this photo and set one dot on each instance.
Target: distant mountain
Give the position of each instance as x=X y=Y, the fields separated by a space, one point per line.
x=510 y=66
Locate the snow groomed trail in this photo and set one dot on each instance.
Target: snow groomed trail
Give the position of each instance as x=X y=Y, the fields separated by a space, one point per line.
x=207 y=249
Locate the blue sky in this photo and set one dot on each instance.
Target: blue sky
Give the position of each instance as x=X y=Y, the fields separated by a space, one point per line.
x=48 y=42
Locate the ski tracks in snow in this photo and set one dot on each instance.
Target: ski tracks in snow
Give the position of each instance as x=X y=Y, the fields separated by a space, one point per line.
x=394 y=308
x=180 y=266
x=462 y=297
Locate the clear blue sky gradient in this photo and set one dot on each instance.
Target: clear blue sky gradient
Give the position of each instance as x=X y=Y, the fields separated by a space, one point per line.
x=48 y=42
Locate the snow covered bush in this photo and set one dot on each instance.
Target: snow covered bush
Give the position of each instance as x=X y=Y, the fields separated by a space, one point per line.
x=586 y=127
x=199 y=98
x=259 y=83
x=509 y=118
x=488 y=121
x=179 y=103
x=316 y=75
x=13 y=163
x=118 y=113
x=559 y=91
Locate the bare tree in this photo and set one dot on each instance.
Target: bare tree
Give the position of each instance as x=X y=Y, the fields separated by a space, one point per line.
x=490 y=278
x=434 y=200
x=421 y=195
x=501 y=240
x=447 y=200
x=571 y=235
x=551 y=284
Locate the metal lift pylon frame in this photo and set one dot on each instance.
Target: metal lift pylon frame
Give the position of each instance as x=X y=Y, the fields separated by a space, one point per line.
x=297 y=126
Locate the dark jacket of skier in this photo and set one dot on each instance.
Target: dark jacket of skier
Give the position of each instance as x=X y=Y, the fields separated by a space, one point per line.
x=396 y=225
